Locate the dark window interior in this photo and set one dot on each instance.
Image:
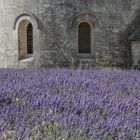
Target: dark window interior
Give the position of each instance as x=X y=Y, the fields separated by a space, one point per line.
x=30 y=39
x=84 y=38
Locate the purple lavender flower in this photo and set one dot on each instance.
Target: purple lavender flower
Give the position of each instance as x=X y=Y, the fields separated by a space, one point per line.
x=93 y=102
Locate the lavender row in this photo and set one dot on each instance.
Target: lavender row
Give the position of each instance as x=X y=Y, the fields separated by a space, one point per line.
x=94 y=103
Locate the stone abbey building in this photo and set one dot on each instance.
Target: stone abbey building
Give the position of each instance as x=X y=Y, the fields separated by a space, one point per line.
x=69 y=33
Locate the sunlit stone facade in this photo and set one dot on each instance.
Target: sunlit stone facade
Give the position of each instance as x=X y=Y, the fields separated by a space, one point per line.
x=56 y=34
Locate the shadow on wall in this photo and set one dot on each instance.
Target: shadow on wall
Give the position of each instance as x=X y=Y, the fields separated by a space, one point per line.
x=130 y=29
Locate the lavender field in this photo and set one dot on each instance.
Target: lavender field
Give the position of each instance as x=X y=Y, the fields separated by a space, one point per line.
x=62 y=104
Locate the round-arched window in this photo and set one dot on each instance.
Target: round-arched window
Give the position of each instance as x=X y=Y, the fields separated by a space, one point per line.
x=84 y=43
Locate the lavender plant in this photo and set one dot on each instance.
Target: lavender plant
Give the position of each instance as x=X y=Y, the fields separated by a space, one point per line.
x=69 y=104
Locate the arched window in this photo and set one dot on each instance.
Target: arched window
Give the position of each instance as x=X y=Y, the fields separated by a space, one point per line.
x=29 y=39
x=84 y=41
x=25 y=39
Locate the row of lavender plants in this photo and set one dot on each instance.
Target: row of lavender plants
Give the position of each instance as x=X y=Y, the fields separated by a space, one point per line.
x=62 y=104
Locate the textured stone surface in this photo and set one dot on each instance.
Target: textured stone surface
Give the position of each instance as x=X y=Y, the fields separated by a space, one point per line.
x=136 y=54
x=55 y=28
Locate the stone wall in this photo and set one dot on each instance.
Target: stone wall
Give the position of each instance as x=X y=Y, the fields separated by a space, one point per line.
x=136 y=54
x=55 y=31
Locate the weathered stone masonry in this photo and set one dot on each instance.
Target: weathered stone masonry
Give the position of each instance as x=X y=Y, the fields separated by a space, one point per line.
x=113 y=24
